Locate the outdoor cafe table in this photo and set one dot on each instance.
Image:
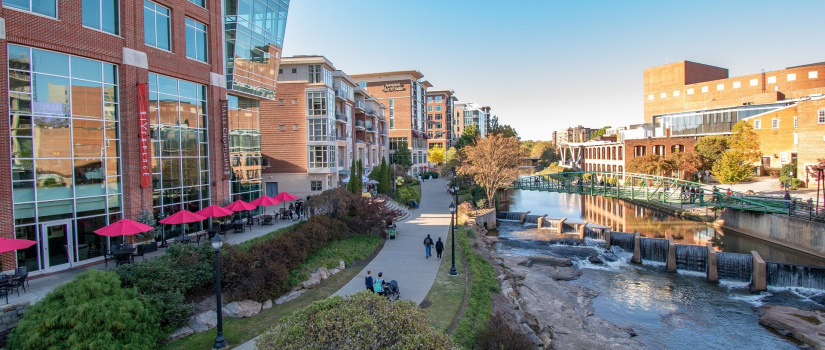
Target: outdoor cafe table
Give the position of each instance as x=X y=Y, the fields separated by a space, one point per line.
x=123 y=255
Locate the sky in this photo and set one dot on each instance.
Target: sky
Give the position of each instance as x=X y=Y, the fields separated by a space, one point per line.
x=549 y=65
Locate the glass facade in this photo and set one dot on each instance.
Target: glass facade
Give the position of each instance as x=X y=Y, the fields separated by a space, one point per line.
x=101 y=15
x=156 y=27
x=195 y=40
x=65 y=161
x=245 y=148
x=43 y=7
x=254 y=37
x=178 y=119
x=717 y=121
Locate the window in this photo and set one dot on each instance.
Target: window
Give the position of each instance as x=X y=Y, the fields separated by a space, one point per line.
x=295 y=101
x=281 y=102
x=295 y=127
x=429 y=99
x=704 y=89
x=281 y=127
x=294 y=70
x=821 y=119
x=650 y=97
x=200 y=3
x=795 y=124
x=156 y=25
x=690 y=91
x=280 y=71
x=754 y=82
x=429 y=117
x=429 y=108
x=438 y=99
x=663 y=95
x=757 y=124
x=720 y=87
x=795 y=138
x=318 y=130
x=43 y=7
x=737 y=84
x=195 y=40
x=775 y=123
x=676 y=93
x=438 y=108
x=100 y=15
x=392 y=113
x=318 y=73
x=438 y=116
x=772 y=80
x=315 y=185
x=321 y=157
x=783 y=157
x=316 y=103
x=813 y=75
x=792 y=77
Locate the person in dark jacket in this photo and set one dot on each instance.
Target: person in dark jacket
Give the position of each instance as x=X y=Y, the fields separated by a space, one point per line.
x=439 y=247
x=369 y=281
x=428 y=247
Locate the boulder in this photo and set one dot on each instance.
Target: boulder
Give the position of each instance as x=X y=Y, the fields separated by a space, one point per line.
x=334 y=271
x=323 y=273
x=289 y=296
x=204 y=321
x=241 y=309
x=806 y=326
x=266 y=305
x=595 y=259
x=341 y=265
x=313 y=281
x=549 y=261
x=180 y=333
x=559 y=273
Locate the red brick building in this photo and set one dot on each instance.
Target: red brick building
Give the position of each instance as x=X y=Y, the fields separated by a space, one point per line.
x=440 y=105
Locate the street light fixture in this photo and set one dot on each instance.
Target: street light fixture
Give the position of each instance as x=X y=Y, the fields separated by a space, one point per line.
x=453 y=271
x=220 y=340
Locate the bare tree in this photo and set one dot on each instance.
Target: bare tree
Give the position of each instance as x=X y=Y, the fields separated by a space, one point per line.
x=492 y=162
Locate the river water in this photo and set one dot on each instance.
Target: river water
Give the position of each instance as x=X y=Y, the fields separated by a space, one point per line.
x=667 y=311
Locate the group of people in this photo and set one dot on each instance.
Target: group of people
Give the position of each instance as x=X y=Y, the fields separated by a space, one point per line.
x=428 y=247
x=295 y=209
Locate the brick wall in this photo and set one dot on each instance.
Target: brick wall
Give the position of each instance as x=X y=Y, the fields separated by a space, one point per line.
x=630 y=145
x=10 y=314
x=286 y=151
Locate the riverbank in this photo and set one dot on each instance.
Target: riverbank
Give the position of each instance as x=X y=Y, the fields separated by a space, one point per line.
x=550 y=311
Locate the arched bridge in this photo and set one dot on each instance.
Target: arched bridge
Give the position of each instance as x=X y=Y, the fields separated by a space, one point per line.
x=650 y=188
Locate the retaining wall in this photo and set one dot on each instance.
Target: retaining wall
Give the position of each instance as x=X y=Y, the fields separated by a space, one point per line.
x=803 y=235
x=10 y=314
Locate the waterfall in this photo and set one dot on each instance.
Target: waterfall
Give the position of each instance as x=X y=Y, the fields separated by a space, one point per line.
x=734 y=266
x=622 y=240
x=691 y=257
x=532 y=218
x=654 y=249
x=787 y=275
x=593 y=234
x=509 y=215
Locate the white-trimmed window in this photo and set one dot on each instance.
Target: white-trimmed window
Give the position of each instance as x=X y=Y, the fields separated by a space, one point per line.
x=720 y=87
x=438 y=108
x=705 y=89
x=757 y=124
x=438 y=99
x=821 y=119
x=791 y=76
x=783 y=157
x=156 y=29
x=737 y=84
x=754 y=82
x=315 y=185
x=676 y=93
x=102 y=15
x=43 y=7
x=813 y=75
x=663 y=95
x=795 y=122
x=772 y=80
x=318 y=130
x=321 y=157
x=195 y=40
x=429 y=99
x=429 y=108
x=775 y=123
x=316 y=103
x=650 y=97
x=690 y=91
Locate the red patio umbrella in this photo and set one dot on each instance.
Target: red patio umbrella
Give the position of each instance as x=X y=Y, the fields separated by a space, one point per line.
x=239 y=205
x=182 y=217
x=285 y=197
x=12 y=244
x=123 y=227
x=214 y=211
x=265 y=201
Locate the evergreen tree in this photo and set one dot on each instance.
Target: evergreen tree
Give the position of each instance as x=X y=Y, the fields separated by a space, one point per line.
x=388 y=179
x=382 y=177
x=359 y=182
x=352 y=175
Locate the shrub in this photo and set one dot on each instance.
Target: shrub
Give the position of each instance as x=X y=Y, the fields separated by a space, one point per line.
x=484 y=282
x=91 y=312
x=428 y=174
x=407 y=194
x=498 y=335
x=786 y=178
x=360 y=321
x=361 y=214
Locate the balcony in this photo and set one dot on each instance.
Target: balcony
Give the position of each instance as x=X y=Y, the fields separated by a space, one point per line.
x=360 y=125
x=371 y=112
x=341 y=117
x=359 y=105
x=339 y=93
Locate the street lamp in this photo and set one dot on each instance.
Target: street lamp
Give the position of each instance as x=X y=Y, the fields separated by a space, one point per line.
x=453 y=272
x=220 y=340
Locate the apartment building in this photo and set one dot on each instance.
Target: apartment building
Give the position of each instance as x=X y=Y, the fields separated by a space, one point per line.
x=784 y=106
x=116 y=107
x=403 y=93
x=439 y=118
x=319 y=122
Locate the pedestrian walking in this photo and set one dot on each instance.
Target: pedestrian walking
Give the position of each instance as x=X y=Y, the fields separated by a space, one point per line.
x=369 y=281
x=298 y=206
x=439 y=247
x=378 y=286
x=428 y=246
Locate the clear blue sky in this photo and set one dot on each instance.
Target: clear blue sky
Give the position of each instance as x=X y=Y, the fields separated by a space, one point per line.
x=548 y=65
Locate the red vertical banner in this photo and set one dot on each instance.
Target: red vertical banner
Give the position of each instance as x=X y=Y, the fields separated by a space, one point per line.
x=143 y=133
x=227 y=167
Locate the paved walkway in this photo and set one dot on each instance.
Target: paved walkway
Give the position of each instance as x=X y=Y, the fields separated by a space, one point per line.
x=39 y=286
x=402 y=259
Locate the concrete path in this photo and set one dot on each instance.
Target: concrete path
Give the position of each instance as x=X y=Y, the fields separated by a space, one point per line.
x=402 y=259
x=40 y=285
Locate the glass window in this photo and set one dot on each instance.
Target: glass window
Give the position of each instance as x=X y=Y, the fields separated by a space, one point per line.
x=321 y=157
x=195 y=40
x=318 y=130
x=43 y=7
x=315 y=185
x=438 y=108
x=201 y=3
x=316 y=74
x=775 y=123
x=156 y=26
x=316 y=103
x=438 y=99
x=757 y=124
x=821 y=119
x=101 y=15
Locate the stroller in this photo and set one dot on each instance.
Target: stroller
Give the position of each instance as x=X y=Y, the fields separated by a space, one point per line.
x=391 y=291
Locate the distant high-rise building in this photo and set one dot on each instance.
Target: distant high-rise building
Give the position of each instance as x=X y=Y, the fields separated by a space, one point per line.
x=439 y=117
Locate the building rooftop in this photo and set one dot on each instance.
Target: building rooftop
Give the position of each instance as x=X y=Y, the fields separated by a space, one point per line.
x=414 y=74
x=306 y=59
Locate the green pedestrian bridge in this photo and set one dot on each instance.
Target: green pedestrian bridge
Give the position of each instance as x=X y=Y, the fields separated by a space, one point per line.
x=650 y=188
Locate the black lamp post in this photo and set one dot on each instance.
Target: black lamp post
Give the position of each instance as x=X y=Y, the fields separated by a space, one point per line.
x=453 y=272
x=217 y=243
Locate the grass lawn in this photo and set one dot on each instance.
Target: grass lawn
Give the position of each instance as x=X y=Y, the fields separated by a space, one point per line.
x=239 y=331
x=445 y=296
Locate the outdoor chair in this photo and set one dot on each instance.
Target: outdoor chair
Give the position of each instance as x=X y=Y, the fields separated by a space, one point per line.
x=237 y=228
x=224 y=228
x=139 y=252
x=107 y=257
x=267 y=220
x=16 y=282
x=4 y=290
x=23 y=270
x=249 y=222
x=121 y=259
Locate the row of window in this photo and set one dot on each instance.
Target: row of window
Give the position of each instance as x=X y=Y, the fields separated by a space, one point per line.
x=438 y=108
x=437 y=99
x=735 y=85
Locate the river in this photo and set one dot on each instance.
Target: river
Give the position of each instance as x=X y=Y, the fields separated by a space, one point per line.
x=667 y=311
